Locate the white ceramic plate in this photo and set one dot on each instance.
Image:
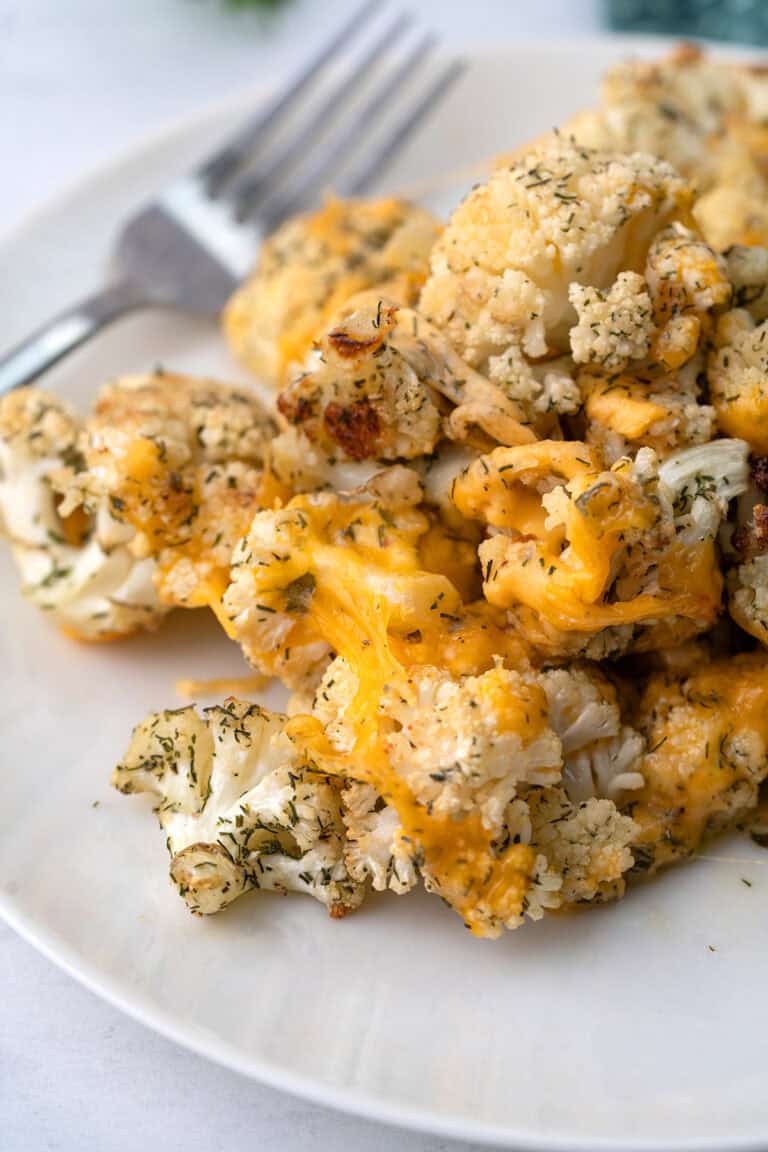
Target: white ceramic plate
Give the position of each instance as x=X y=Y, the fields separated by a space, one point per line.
x=643 y=1025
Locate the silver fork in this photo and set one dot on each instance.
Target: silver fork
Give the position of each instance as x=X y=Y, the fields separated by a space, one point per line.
x=191 y=246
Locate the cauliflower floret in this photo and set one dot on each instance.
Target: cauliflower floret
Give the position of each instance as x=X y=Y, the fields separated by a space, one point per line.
x=677 y=107
x=561 y=854
x=613 y=327
x=143 y=502
x=601 y=756
x=687 y=281
x=589 y=560
x=376 y=385
x=476 y=806
x=738 y=378
x=655 y=400
x=177 y=463
x=467 y=745
x=239 y=808
x=586 y=845
x=359 y=396
x=78 y=566
x=501 y=272
x=706 y=117
x=707 y=736
x=312 y=265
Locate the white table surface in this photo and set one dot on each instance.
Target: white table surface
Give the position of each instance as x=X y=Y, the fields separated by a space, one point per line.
x=79 y=80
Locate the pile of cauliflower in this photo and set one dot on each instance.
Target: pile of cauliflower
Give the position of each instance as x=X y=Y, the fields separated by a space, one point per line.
x=502 y=533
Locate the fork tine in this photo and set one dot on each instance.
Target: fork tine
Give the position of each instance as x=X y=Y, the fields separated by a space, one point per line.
x=225 y=161
x=245 y=191
x=371 y=168
x=279 y=208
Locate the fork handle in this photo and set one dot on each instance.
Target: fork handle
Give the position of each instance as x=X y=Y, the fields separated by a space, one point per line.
x=65 y=332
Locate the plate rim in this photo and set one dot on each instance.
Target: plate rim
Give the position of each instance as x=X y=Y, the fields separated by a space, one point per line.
x=349 y=1101
x=134 y=1005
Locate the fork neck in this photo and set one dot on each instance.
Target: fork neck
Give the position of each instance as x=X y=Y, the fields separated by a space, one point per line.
x=67 y=331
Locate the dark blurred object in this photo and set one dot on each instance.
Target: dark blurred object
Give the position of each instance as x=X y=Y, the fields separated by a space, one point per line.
x=742 y=20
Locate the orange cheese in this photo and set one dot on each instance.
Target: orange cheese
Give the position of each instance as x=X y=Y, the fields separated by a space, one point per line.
x=368 y=596
x=690 y=776
x=622 y=407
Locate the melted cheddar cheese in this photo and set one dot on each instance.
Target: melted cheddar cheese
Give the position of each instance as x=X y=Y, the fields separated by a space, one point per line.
x=622 y=406
x=190 y=520
x=707 y=742
x=369 y=600
x=568 y=525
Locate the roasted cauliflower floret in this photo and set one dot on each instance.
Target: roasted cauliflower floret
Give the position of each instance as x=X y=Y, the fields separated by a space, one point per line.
x=78 y=565
x=653 y=400
x=471 y=797
x=178 y=463
x=467 y=745
x=561 y=215
x=705 y=117
x=592 y=560
x=359 y=396
x=738 y=378
x=676 y=107
x=378 y=384
x=587 y=846
x=688 y=282
x=148 y=497
x=707 y=737
x=239 y=808
x=312 y=265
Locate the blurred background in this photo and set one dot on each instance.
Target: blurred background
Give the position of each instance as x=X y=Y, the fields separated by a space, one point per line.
x=745 y=21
